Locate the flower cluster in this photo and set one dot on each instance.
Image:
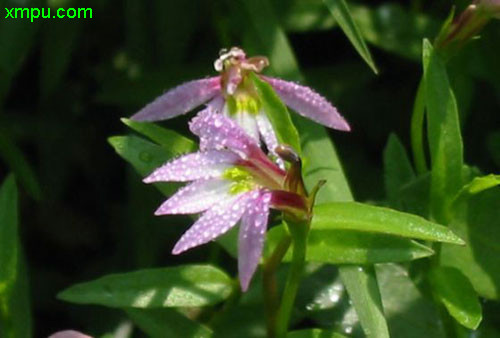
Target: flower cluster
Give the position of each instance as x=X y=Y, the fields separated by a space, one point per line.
x=233 y=94
x=231 y=178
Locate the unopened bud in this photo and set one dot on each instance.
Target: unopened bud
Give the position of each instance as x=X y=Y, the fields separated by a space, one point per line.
x=490 y=7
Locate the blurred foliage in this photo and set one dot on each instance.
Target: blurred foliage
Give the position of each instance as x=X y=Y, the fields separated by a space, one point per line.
x=84 y=213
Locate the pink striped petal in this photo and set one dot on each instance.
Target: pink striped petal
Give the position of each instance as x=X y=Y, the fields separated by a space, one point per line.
x=200 y=165
x=217 y=131
x=180 y=100
x=308 y=103
x=196 y=197
x=251 y=236
x=213 y=223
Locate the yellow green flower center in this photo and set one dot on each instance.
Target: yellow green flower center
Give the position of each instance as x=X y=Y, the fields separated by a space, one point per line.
x=242 y=102
x=242 y=181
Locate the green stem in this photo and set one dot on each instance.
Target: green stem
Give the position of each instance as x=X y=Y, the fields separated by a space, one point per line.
x=417 y=133
x=270 y=287
x=299 y=233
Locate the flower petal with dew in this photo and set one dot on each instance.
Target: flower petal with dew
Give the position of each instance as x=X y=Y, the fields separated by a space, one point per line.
x=240 y=184
x=194 y=166
x=251 y=235
x=234 y=95
x=180 y=100
x=308 y=103
x=196 y=197
x=69 y=334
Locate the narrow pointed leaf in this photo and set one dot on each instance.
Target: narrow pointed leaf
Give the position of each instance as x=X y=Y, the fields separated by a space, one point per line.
x=277 y=113
x=352 y=247
x=445 y=140
x=15 y=312
x=169 y=139
x=160 y=323
x=364 y=217
x=482 y=183
x=182 y=286
x=368 y=305
x=340 y=12
x=455 y=291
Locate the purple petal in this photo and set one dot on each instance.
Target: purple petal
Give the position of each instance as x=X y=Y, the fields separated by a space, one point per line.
x=180 y=100
x=200 y=165
x=217 y=131
x=251 y=237
x=196 y=197
x=213 y=223
x=308 y=103
x=269 y=137
x=68 y=334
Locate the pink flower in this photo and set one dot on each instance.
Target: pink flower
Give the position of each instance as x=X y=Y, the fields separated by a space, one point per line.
x=233 y=93
x=69 y=334
x=232 y=181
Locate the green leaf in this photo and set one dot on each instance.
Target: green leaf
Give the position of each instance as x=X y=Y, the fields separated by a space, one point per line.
x=364 y=217
x=409 y=313
x=160 y=323
x=277 y=113
x=314 y=333
x=320 y=162
x=340 y=12
x=368 y=304
x=17 y=162
x=18 y=317
x=445 y=140
x=8 y=234
x=455 y=291
x=174 y=142
x=352 y=247
x=188 y=285
x=482 y=183
x=476 y=220
x=144 y=157
x=397 y=169
x=15 y=312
